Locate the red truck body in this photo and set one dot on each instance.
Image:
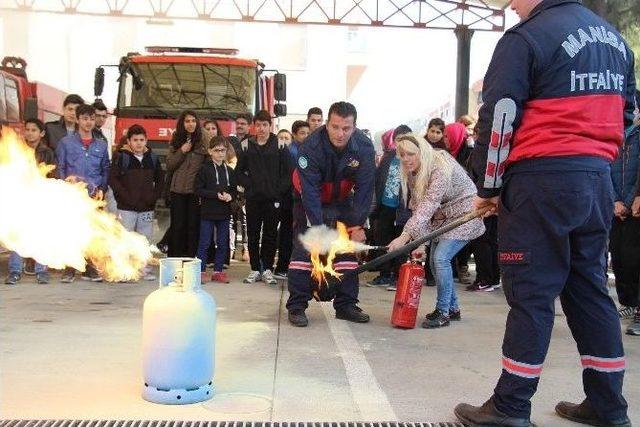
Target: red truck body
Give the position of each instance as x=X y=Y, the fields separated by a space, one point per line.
x=21 y=99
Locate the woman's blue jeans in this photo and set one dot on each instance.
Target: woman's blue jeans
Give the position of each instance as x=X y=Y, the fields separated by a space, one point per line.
x=441 y=254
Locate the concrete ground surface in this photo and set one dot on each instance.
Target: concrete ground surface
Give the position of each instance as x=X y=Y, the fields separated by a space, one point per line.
x=73 y=351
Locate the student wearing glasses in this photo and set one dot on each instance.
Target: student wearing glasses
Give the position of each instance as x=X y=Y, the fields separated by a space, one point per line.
x=215 y=185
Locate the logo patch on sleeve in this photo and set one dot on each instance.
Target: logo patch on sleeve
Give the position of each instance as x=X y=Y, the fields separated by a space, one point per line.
x=302 y=162
x=514 y=257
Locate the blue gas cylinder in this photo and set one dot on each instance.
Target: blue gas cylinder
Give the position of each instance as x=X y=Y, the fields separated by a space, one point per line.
x=178 y=336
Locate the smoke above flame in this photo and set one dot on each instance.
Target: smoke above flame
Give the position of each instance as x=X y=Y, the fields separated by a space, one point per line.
x=57 y=223
x=323 y=244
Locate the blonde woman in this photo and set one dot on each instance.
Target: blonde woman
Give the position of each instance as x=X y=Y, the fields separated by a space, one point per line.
x=439 y=191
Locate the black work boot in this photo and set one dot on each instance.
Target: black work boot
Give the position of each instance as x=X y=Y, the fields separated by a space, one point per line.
x=487 y=415
x=352 y=313
x=584 y=414
x=298 y=318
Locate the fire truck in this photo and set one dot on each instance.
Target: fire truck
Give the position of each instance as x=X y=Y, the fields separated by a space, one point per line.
x=21 y=99
x=155 y=87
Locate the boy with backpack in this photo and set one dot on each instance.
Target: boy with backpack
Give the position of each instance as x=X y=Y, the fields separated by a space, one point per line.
x=263 y=171
x=137 y=180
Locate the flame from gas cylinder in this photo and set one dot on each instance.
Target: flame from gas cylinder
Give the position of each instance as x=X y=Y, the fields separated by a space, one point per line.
x=322 y=240
x=57 y=223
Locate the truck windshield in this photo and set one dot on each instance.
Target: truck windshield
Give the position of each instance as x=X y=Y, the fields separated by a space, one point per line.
x=224 y=89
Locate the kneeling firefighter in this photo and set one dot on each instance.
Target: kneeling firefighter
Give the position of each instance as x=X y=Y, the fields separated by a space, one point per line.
x=333 y=181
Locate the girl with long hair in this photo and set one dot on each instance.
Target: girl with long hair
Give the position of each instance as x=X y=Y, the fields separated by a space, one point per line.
x=189 y=148
x=438 y=191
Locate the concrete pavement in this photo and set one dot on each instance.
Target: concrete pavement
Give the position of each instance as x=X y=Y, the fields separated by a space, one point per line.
x=74 y=351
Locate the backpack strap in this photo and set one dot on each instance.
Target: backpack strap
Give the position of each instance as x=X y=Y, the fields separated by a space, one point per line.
x=124 y=166
x=126 y=158
x=154 y=160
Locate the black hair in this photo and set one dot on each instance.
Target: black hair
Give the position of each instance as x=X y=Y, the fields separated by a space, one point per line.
x=313 y=110
x=73 y=99
x=181 y=135
x=298 y=124
x=136 y=130
x=85 y=109
x=215 y=122
x=262 y=116
x=99 y=105
x=437 y=122
x=36 y=122
x=247 y=116
x=343 y=109
x=401 y=130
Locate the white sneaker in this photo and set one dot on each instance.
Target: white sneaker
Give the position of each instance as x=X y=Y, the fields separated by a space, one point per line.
x=626 y=312
x=253 y=277
x=267 y=277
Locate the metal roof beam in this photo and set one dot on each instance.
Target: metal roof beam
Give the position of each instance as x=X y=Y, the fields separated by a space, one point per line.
x=476 y=15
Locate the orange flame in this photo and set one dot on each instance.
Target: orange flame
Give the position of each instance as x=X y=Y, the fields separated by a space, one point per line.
x=341 y=245
x=57 y=223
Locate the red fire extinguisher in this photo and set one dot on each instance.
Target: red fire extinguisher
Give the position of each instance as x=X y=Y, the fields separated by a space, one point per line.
x=405 y=305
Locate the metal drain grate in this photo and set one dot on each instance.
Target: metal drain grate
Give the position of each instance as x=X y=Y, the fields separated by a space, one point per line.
x=147 y=423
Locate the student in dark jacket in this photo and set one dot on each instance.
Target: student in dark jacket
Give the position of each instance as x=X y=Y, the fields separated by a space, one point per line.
x=624 y=240
x=285 y=229
x=34 y=132
x=215 y=185
x=66 y=125
x=34 y=136
x=137 y=180
x=263 y=171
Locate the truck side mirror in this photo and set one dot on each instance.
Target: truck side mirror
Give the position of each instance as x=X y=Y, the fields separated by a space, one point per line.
x=280 y=87
x=98 y=82
x=30 y=108
x=280 y=110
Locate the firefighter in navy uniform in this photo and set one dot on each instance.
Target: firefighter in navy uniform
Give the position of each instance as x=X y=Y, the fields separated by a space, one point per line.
x=558 y=95
x=333 y=181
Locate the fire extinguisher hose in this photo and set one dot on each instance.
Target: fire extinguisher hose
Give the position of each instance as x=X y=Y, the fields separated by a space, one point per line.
x=421 y=241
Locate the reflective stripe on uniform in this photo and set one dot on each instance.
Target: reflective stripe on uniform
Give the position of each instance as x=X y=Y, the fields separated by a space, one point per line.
x=524 y=370
x=300 y=265
x=603 y=364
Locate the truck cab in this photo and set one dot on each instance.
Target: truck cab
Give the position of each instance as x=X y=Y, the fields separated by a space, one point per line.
x=156 y=87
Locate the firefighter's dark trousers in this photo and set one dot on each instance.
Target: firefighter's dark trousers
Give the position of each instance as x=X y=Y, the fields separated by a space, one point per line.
x=301 y=284
x=553 y=227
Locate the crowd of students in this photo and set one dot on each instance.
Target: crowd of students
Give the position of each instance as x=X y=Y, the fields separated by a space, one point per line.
x=231 y=196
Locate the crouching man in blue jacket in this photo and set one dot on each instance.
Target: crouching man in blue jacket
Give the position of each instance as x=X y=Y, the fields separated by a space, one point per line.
x=333 y=181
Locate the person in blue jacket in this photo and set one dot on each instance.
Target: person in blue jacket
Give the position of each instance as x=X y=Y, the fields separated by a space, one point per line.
x=83 y=157
x=558 y=94
x=333 y=181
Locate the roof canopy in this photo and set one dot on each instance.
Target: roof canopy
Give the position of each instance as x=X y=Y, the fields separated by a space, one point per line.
x=479 y=15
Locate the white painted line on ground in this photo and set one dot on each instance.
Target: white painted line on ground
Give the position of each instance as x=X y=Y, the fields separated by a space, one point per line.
x=368 y=396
